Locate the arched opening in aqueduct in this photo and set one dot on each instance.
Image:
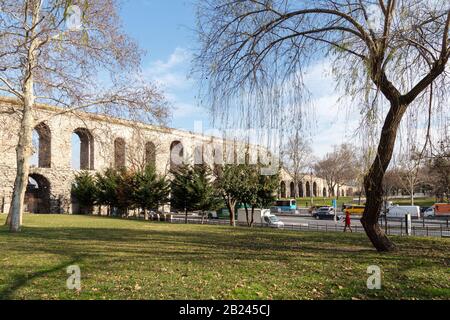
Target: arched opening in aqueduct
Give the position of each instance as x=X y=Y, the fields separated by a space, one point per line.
x=283 y=189
x=150 y=154
x=308 y=190
x=82 y=150
x=176 y=155
x=300 y=190
x=119 y=153
x=42 y=145
x=37 y=195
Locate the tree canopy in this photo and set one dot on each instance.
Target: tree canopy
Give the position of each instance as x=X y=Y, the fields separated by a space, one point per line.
x=388 y=57
x=73 y=54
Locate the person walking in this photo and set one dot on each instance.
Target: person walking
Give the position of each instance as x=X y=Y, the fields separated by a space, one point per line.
x=348 y=221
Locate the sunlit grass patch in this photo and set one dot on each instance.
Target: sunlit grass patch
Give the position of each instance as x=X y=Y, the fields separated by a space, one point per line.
x=122 y=259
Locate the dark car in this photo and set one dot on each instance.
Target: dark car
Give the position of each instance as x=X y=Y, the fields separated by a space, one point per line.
x=324 y=213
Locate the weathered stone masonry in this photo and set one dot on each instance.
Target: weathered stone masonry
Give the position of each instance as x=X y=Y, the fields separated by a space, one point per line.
x=105 y=142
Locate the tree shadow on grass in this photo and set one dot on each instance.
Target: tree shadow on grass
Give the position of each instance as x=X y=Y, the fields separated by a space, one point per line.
x=247 y=239
x=104 y=247
x=22 y=280
x=187 y=245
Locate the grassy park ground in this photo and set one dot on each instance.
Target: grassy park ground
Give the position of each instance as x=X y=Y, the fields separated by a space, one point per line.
x=321 y=201
x=124 y=259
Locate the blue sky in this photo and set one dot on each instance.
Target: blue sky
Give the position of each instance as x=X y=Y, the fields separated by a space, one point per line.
x=165 y=30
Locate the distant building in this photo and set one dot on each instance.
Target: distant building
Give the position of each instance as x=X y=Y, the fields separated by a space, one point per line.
x=311 y=186
x=104 y=142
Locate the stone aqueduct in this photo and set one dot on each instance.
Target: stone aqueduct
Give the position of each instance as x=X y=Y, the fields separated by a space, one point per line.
x=103 y=142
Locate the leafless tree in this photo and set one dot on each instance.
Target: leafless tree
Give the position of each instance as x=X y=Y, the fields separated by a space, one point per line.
x=391 y=183
x=297 y=157
x=73 y=54
x=337 y=168
x=363 y=161
x=438 y=171
x=142 y=151
x=410 y=171
x=390 y=53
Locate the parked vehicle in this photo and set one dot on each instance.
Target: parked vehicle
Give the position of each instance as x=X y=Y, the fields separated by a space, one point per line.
x=442 y=209
x=213 y=214
x=222 y=214
x=261 y=217
x=385 y=207
x=428 y=212
x=353 y=209
x=313 y=209
x=324 y=213
x=289 y=206
x=423 y=209
x=401 y=211
x=438 y=210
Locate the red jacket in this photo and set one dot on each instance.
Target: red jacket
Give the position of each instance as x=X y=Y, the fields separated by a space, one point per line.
x=348 y=219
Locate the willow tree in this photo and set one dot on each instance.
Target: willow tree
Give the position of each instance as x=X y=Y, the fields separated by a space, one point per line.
x=385 y=52
x=73 y=54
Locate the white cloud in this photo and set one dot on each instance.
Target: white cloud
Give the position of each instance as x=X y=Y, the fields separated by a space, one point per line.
x=183 y=109
x=179 y=56
x=171 y=74
x=318 y=79
x=335 y=122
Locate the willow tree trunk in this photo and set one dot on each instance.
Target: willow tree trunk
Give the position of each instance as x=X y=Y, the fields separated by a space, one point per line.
x=373 y=182
x=25 y=145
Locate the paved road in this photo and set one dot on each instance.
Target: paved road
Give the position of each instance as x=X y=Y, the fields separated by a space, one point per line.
x=355 y=221
x=310 y=221
x=434 y=228
x=306 y=219
x=397 y=227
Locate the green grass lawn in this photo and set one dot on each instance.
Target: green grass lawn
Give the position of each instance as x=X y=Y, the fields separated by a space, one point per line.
x=122 y=259
x=422 y=202
x=321 y=201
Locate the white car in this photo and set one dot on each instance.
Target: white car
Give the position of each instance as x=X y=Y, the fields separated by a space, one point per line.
x=429 y=213
x=261 y=217
x=400 y=211
x=273 y=221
